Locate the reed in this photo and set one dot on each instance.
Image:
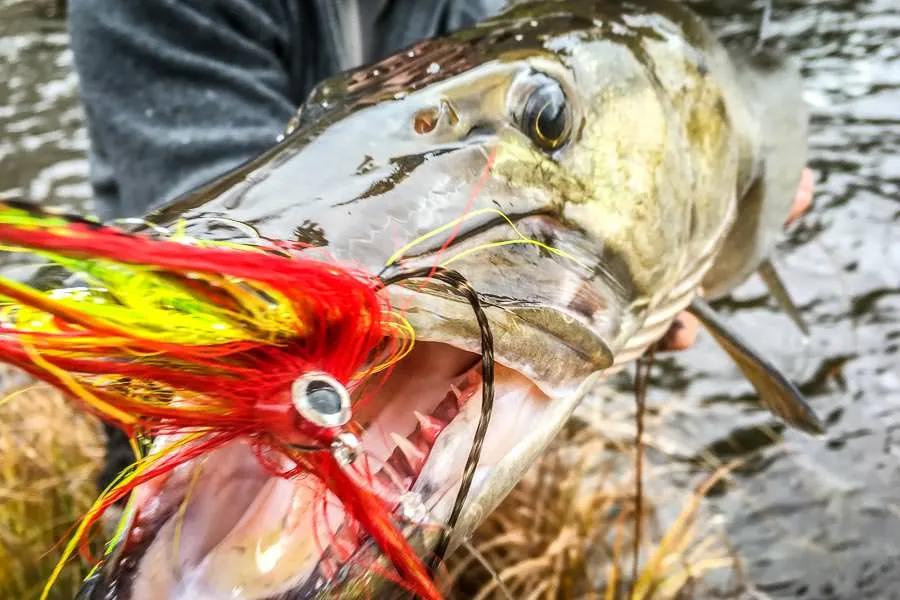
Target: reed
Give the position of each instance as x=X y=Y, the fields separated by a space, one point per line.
x=566 y=531
x=50 y=456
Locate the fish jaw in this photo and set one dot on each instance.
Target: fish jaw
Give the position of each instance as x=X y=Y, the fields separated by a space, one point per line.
x=223 y=526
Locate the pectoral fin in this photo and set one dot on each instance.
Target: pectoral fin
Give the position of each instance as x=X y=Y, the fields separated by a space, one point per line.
x=776 y=392
x=773 y=281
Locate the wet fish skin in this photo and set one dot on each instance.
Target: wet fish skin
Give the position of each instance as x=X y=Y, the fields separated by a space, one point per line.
x=642 y=194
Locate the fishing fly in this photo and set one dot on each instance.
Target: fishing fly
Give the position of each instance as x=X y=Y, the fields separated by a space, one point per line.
x=196 y=344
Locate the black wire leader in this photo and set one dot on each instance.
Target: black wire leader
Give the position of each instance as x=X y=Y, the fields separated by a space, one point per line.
x=460 y=285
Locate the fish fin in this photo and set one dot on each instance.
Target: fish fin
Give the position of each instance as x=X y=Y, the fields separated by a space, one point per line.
x=773 y=88
x=775 y=284
x=775 y=391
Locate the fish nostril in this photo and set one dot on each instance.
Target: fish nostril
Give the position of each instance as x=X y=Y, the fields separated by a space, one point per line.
x=448 y=109
x=426 y=120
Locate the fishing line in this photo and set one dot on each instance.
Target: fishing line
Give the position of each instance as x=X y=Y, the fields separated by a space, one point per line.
x=459 y=284
x=641 y=378
x=521 y=238
x=483 y=561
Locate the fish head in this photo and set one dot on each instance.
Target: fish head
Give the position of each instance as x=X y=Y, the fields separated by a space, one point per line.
x=535 y=155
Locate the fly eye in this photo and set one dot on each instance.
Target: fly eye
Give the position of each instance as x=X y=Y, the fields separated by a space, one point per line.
x=546 y=118
x=321 y=399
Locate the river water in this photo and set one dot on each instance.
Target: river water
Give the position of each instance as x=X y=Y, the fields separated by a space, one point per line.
x=810 y=517
x=819 y=518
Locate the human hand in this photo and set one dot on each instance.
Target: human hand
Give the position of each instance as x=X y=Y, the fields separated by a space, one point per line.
x=683 y=332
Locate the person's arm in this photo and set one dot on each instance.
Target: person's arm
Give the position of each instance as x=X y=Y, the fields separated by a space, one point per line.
x=177 y=92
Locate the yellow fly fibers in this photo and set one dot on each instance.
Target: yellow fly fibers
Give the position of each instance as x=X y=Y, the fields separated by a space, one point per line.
x=150 y=305
x=520 y=239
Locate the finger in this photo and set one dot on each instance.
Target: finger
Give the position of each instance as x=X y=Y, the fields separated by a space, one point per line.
x=682 y=333
x=803 y=197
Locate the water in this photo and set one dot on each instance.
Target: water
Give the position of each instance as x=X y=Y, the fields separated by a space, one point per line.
x=42 y=136
x=818 y=518
x=811 y=518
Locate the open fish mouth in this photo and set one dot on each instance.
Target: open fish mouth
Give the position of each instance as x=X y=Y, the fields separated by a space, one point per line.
x=223 y=526
x=557 y=298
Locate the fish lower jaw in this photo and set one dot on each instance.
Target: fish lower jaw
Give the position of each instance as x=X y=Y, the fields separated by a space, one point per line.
x=224 y=527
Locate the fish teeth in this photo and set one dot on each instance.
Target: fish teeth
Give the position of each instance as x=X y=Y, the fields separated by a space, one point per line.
x=460 y=401
x=414 y=456
x=429 y=427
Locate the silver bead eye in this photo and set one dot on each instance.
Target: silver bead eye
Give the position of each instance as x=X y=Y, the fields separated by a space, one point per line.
x=321 y=399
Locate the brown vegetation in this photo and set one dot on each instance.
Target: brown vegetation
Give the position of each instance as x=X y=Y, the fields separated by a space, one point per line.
x=50 y=455
x=565 y=532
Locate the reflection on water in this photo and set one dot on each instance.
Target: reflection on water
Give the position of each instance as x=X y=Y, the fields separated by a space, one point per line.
x=818 y=518
x=812 y=518
x=42 y=137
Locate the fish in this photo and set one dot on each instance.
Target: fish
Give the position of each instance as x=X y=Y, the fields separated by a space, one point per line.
x=586 y=166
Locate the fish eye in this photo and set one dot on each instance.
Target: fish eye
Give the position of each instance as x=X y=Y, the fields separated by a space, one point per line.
x=321 y=399
x=546 y=117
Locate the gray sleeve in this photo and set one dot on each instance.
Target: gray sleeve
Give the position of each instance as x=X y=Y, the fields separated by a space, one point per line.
x=179 y=91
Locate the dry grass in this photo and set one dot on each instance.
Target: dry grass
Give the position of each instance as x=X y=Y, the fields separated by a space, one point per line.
x=49 y=459
x=567 y=532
